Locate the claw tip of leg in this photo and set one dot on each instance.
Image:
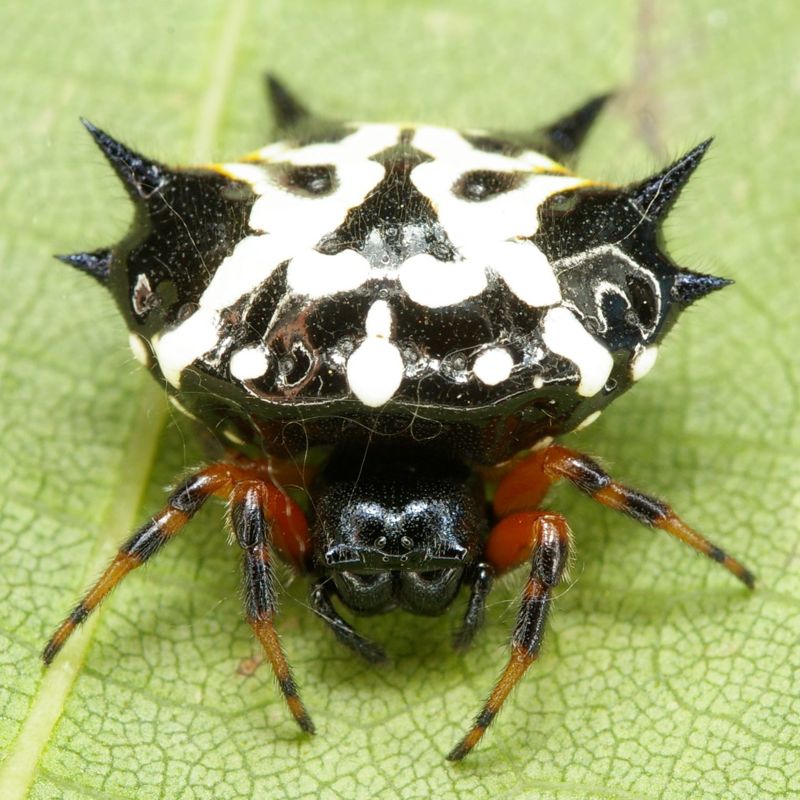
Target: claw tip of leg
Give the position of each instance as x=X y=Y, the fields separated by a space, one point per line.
x=378 y=658
x=306 y=725
x=457 y=753
x=49 y=653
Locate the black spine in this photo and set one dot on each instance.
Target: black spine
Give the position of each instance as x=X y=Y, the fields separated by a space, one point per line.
x=654 y=197
x=567 y=134
x=287 y=110
x=97 y=263
x=691 y=286
x=141 y=177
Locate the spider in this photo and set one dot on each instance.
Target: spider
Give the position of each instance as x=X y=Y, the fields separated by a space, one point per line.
x=427 y=310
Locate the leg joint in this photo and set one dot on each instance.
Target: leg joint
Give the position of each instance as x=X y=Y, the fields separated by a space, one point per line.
x=582 y=471
x=190 y=495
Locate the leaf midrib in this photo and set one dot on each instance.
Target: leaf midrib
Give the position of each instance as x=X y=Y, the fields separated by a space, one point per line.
x=24 y=755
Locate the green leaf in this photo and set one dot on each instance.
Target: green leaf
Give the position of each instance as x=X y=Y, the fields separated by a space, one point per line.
x=661 y=677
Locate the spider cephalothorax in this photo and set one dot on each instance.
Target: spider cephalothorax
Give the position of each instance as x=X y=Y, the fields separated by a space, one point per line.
x=420 y=304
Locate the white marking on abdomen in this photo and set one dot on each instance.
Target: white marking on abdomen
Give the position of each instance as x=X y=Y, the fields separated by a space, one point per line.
x=248 y=363
x=563 y=333
x=375 y=368
x=179 y=347
x=498 y=218
x=526 y=271
x=252 y=261
x=593 y=417
x=278 y=210
x=316 y=275
x=433 y=283
x=493 y=366
x=643 y=361
x=294 y=223
x=379 y=320
x=139 y=348
x=446 y=144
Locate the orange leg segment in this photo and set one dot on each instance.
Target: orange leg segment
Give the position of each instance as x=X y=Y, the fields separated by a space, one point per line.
x=524 y=488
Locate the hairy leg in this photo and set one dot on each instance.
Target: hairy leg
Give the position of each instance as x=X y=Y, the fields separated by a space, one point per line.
x=548 y=538
x=525 y=486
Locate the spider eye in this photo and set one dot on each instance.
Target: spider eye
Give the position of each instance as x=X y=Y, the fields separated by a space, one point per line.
x=314 y=181
x=483 y=184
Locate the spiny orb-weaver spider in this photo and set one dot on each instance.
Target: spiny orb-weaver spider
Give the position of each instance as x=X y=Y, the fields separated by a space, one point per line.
x=426 y=310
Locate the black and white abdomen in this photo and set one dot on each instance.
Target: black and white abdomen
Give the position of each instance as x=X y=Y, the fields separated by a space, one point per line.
x=394 y=265
x=394 y=278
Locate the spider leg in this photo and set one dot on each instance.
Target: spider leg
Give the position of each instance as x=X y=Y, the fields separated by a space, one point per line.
x=253 y=516
x=547 y=537
x=527 y=483
x=591 y=478
x=181 y=506
x=522 y=488
x=322 y=605
x=476 y=607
